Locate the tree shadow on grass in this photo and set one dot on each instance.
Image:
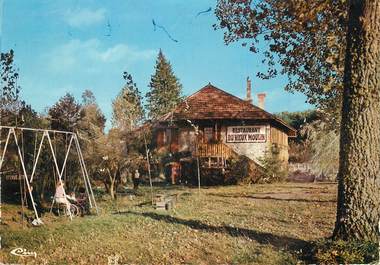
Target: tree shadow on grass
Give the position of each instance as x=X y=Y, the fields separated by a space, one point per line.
x=276 y=241
x=270 y=198
x=145 y=203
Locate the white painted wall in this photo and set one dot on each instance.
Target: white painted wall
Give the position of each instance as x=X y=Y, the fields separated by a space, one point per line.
x=252 y=150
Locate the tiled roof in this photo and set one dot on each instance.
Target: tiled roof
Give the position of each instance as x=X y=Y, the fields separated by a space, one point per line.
x=211 y=102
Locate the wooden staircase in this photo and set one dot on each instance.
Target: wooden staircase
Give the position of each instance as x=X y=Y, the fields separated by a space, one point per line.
x=214 y=162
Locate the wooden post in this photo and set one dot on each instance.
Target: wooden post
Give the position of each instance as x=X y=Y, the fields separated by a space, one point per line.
x=199 y=176
x=198 y=170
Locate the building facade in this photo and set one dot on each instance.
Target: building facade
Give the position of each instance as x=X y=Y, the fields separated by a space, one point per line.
x=213 y=126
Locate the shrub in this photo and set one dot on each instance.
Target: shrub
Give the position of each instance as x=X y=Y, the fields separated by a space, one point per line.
x=243 y=171
x=274 y=169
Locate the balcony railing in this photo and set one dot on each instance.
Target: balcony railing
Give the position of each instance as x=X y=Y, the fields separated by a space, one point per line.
x=213 y=150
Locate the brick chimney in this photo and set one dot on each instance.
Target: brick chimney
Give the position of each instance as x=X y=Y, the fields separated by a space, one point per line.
x=261 y=100
x=249 y=91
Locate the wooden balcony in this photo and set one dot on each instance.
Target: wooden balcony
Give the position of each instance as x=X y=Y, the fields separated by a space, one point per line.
x=213 y=150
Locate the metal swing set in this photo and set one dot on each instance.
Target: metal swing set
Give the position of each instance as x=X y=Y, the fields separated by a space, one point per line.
x=73 y=140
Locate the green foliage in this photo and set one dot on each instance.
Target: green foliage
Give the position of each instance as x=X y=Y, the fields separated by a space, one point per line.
x=90 y=130
x=128 y=111
x=25 y=116
x=274 y=169
x=316 y=140
x=88 y=98
x=65 y=114
x=306 y=38
x=243 y=171
x=298 y=118
x=113 y=159
x=342 y=252
x=92 y=122
x=165 y=89
x=299 y=147
x=239 y=170
x=120 y=154
x=9 y=88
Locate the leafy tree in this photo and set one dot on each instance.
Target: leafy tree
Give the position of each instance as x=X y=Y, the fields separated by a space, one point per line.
x=9 y=88
x=88 y=98
x=65 y=114
x=128 y=111
x=309 y=40
x=313 y=141
x=90 y=130
x=301 y=147
x=113 y=152
x=92 y=121
x=121 y=153
x=305 y=38
x=165 y=89
x=298 y=118
x=10 y=104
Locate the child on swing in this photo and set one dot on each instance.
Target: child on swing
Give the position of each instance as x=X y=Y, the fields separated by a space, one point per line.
x=60 y=196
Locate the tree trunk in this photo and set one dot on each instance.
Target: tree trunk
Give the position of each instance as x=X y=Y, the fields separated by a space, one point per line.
x=112 y=190
x=111 y=186
x=106 y=186
x=358 y=209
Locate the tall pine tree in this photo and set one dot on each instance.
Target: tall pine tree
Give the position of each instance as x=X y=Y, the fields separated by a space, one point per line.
x=127 y=107
x=165 y=89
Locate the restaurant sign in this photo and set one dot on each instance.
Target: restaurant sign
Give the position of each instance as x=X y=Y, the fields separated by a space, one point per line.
x=246 y=134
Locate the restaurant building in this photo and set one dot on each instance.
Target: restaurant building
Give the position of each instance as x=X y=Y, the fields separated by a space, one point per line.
x=213 y=126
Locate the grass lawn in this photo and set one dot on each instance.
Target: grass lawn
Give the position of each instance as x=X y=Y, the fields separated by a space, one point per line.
x=258 y=224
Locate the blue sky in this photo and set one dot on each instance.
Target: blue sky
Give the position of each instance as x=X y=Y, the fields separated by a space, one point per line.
x=70 y=46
